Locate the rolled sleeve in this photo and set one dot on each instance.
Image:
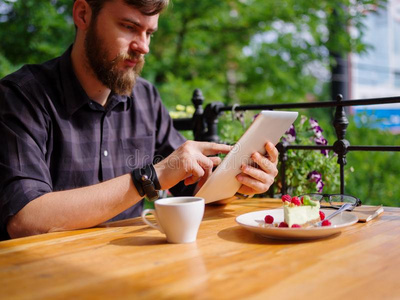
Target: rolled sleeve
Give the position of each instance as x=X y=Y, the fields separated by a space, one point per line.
x=24 y=174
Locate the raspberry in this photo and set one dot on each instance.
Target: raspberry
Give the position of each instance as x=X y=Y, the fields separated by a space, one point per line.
x=296 y=201
x=269 y=219
x=286 y=198
x=296 y=226
x=321 y=215
x=283 y=224
x=326 y=223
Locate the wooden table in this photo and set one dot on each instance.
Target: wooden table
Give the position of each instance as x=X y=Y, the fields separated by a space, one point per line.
x=128 y=259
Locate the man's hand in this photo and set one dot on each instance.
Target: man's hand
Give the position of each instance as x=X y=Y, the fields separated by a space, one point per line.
x=256 y=180
x=190 y=162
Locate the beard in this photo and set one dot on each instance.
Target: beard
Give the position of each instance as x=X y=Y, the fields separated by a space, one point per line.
x=119 y=81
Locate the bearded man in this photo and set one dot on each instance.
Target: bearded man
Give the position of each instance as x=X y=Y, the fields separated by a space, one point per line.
x=78 y=128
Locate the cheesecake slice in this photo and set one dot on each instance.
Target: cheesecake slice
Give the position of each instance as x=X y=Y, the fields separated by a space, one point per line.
x=303 y=213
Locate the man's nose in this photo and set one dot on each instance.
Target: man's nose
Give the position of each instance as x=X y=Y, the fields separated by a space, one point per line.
x=141 y=44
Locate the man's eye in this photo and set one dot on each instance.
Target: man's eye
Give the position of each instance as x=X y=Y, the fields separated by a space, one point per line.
x=129 y=27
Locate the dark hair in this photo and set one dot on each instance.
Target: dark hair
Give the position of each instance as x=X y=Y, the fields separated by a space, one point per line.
x=146 y=7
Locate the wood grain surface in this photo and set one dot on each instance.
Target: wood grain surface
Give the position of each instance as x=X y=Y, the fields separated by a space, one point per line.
x=130 y=260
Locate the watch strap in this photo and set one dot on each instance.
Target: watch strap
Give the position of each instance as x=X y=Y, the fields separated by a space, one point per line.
x=146 y=182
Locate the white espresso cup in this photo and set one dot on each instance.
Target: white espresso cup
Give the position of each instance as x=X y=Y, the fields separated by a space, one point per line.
x=178 y=218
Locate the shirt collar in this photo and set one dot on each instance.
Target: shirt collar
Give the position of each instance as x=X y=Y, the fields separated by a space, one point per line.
x=75 y=95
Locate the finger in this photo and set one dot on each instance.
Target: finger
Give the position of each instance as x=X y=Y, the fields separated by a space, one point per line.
x=191 y=180
x=257 y=186
x=255 y=173
x=213 y=148
x=215 y=160
x=204 y=178
x=245 y=190
x=265 y=164
x=203 y=162
x=193 y=169
x=272 y=152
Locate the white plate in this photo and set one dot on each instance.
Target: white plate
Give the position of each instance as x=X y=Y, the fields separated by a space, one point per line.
x=254 y=221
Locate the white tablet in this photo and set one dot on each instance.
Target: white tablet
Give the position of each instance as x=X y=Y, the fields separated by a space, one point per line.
x=268 y=126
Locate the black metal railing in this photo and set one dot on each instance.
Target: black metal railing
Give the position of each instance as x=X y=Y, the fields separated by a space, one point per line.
x=204 y=125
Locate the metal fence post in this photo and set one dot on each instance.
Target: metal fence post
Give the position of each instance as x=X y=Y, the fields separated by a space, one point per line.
x=199 y=125
x=210 y=117
x=341 y=146
x=283 y=157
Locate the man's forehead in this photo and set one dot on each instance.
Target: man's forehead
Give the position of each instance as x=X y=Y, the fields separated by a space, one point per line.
x=148 y=8
x=118 y=9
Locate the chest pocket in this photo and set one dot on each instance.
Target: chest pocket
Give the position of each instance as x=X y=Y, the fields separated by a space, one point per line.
x=138 y=151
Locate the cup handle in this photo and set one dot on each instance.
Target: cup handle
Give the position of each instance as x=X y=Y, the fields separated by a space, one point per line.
x=152 y=212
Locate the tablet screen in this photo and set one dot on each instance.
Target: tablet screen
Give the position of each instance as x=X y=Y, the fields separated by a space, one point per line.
x=268 y=126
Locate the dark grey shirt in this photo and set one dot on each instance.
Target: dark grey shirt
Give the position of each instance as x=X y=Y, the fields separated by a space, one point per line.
x=54 y=137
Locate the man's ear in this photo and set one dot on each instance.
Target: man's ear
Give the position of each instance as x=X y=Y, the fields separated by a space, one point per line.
x=82 y=14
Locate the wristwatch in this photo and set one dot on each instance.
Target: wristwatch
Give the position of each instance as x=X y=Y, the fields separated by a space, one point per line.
x=146 y=182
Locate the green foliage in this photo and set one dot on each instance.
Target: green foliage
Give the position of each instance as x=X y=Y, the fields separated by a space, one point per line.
x=370 y=176
x=301 y=163
x=251 y=51
x=236 y=51
x=374 y=175
x=33 y=31
x=231 y=127
x=183 y=94
x=5 y=66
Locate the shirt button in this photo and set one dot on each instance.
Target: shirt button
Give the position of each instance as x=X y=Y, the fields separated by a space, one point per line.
x=105 y=153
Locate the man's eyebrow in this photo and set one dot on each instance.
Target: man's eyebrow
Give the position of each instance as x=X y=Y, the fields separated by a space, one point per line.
x=137 y=24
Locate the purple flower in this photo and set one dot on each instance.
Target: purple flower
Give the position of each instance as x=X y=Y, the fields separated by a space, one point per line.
x=290 y=135
x=319 y=138
x=316 y=177
x=291 y=131
x=325 y=152
x=315 y=127
x=322 y=141
x=313 y=123
x=320 y=186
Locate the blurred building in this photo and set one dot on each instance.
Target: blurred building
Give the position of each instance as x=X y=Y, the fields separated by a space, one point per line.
x=377 y=73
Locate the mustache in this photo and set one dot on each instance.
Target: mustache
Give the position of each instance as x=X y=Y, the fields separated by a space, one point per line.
x=130 y=56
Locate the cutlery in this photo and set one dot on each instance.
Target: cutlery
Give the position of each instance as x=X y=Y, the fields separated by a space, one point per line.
x=342 y=208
